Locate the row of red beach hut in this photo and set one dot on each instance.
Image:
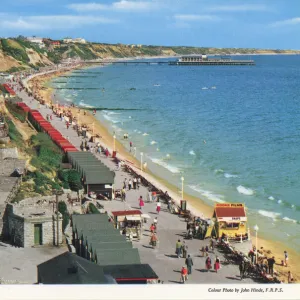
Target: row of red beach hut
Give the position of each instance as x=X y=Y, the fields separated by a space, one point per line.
x=24 y=106
x=9 y=89
x=42 y=125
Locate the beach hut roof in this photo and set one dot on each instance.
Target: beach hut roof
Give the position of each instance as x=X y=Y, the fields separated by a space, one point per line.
x=91 y=237
x=81 y=220
x=117 y=257
x=110 y=245
x=69 y=268
x=99 y=177
x=133 y=271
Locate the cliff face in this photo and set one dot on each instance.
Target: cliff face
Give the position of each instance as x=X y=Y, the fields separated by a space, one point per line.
x=17 y=54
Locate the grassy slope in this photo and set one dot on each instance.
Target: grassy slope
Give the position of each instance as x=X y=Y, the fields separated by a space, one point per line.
x=14 y=52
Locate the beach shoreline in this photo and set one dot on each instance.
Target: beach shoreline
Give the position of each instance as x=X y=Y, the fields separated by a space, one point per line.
x=195 y=204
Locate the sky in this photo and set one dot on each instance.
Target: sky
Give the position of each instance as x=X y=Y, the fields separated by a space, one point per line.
x=271 y=24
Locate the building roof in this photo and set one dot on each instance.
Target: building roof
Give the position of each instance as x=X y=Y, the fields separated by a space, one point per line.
x=101 y=176
x=83 y=220
x=94 y=171
x=92 y=237
x=85 y=233
x=117 y=257
x=33 y=211
x=110 y=245
x=126 y=213
x=133 y=271
x=68 y=268
x=222 y=212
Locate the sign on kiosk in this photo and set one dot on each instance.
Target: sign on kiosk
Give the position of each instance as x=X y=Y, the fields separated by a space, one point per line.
x=229 y=205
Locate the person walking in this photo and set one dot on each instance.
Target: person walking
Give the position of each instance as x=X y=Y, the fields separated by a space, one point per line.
x=141 y=202
x=178 y=248
x=184 y=274
x=184 y=248
x=125 y=184
x=242 y=268
x=189 y=263
x=212 y=245
x=155 y=221
x=134 y=183
x=153 y=240
x=138 y=183
x=119 y=166
x=130 y=146
x=123 y=194
x=286 y=258
x=158 y=206
x=217 y=264
x=271 y=262
x=152 y=228
x=206 y=250
x=129 y=184
x=208 y=263
x=290 y=277
x=203 y=251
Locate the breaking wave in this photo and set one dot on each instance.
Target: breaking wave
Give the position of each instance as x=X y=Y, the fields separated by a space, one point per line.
x=245 y=191
x=269 y=214
x=167 y=166
x=208 y=194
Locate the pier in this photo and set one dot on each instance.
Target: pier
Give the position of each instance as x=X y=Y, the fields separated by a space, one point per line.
x=180 y=62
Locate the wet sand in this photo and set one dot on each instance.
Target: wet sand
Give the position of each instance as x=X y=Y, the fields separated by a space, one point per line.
x=197 y=206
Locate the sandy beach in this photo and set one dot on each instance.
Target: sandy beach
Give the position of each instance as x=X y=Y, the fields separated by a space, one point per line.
x=197 y=206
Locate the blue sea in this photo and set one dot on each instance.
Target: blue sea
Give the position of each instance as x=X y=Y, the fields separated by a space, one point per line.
x=233 y=132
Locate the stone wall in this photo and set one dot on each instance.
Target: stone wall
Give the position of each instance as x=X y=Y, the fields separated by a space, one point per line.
x=48 y=231
x=16 y=231
x=9 y=153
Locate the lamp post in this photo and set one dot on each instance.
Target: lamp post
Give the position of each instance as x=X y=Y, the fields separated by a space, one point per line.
x=114 y=142
x=57 y=193
x=142 y=161
x=256 y=230
x=182 y=180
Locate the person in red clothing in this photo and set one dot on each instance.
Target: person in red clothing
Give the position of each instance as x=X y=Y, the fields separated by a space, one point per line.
x=184 y=274
x=141 y=202
x=152 y=228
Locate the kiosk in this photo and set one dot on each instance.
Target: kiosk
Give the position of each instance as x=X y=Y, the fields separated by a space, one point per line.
x=131 y=220
x=229 y=219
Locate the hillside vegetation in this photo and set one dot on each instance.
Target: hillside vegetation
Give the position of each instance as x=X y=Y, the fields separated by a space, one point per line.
x=18 y=53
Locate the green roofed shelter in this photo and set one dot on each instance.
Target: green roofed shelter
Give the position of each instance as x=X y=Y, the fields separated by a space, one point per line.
x=69 y=268
x=98 y=178
x=117 y=257
x=93 y=177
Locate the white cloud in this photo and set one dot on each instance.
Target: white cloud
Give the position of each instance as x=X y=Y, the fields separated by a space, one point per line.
x=292 y=21
x=189 y=18
x=122 y=5
x=53 y=22
x=238 y=8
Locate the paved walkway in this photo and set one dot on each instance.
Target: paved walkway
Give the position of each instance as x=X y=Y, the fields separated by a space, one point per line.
x=19 y=265
x=170 y=227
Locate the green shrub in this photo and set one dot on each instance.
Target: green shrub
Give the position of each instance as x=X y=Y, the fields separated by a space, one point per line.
x=92 y=209
x=62 y=208
x=71 y=179
x=17 y=53
x=14 y=134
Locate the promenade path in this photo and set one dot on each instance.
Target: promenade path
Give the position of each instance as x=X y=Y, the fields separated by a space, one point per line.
x=170 y=227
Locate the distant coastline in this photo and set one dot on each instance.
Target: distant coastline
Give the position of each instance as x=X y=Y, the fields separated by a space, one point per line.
x=19 y=54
